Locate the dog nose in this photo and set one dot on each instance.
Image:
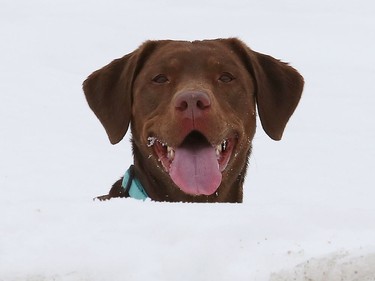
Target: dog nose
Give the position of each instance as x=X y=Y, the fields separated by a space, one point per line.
x=192 y=103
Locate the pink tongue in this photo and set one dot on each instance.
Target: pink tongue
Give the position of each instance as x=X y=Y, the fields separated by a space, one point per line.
x=196 y=170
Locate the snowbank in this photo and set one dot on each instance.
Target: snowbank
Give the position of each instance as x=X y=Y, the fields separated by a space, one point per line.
x=308 y=211
x=339 y=266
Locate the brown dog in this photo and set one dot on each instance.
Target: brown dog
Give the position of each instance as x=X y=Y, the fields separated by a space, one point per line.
x=191 y=107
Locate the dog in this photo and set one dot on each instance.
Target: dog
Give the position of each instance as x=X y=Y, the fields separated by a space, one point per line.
x=192 y=111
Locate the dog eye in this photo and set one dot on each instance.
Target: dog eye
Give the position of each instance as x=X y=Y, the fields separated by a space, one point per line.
x=226 y=77
x=160 y=79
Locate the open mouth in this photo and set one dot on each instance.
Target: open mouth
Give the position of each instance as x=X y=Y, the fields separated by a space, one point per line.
x=196 y=165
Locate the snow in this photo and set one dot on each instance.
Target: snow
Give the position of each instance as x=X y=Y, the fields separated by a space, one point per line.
x=308 y=211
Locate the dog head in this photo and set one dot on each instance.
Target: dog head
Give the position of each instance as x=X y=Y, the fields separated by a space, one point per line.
x=192 y=108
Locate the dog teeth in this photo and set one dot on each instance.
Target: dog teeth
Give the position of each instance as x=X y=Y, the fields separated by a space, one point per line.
x=218 y=150
x=170 y=154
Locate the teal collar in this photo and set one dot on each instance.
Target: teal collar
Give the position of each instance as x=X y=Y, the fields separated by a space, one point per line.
x=132 y=186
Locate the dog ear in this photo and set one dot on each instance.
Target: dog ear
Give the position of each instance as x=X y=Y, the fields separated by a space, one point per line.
x=109 y=91
x=278 y=88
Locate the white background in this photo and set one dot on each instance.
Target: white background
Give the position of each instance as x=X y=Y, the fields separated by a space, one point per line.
x=308 y=208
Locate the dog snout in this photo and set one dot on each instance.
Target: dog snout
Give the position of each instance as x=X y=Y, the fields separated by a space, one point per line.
x=192 y=104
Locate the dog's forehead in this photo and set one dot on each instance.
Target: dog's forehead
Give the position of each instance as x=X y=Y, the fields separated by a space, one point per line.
x=203 y=53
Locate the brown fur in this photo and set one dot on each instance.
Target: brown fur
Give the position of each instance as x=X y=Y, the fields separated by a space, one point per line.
x=123 y=93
